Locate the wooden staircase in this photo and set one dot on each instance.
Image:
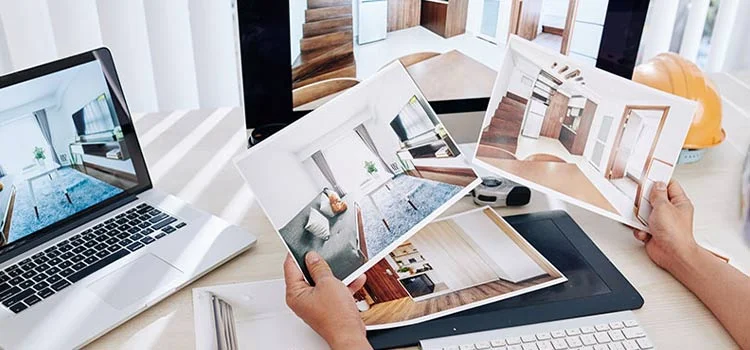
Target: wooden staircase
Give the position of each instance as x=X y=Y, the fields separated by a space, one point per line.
x=327 y=43
x=505 y=125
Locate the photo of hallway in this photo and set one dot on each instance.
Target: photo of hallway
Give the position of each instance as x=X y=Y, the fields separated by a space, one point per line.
x=359 y=175
x=595 y=139
x=61 y=150
x=454 y=263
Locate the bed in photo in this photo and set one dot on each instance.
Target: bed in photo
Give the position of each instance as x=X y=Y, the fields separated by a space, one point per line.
x=452 y=264
x=595 y=139
x=358 y=176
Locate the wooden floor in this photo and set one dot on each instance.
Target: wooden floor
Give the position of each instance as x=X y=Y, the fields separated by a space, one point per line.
x=454 y=176
x=564 y=178
x=405 y=309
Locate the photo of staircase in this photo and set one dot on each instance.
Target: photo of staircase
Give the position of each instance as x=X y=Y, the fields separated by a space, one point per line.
x=505 y=125
x=327 y=44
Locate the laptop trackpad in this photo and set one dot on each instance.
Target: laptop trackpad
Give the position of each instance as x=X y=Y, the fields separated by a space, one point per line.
x=134 y=281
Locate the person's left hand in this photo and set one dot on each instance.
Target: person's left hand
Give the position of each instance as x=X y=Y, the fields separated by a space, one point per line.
x=328 y=307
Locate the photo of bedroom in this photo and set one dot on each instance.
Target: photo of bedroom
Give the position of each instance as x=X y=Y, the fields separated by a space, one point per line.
x=598 y=140
x=452 y=264
x=355 y=178
x=61 y=150
x=450 y=49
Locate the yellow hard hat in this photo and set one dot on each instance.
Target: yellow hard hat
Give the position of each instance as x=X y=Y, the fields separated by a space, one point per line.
x=676 y=75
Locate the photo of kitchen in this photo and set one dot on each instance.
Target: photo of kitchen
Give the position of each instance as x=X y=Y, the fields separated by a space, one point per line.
x=61 y=150
x=454 y=263
x=452 y=49
x=594 y=138
x=355 y=178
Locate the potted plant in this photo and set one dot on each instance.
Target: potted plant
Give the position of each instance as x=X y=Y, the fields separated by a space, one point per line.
x=39 y=155
x=371 y=168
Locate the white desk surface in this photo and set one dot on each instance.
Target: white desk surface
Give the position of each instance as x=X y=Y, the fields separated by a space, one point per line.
x=189 y=154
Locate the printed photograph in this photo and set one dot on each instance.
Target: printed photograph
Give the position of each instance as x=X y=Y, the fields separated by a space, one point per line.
x=358 y=176
x=450 y=48
x=453 y=264
x=597 y=140
x=61 y=150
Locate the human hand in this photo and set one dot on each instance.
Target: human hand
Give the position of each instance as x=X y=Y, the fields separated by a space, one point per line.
x=671 y=240
x=328 y=307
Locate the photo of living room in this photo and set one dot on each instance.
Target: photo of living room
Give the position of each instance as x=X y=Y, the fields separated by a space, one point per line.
x=452 y=264
x=60 y=150
x=452 y=49
x=359 y=175
x=596 y=139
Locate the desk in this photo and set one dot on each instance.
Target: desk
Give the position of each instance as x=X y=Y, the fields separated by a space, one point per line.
x=672 y=316
x=453 y=76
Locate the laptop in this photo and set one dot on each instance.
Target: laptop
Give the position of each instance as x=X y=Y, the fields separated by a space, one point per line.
x=86 y=241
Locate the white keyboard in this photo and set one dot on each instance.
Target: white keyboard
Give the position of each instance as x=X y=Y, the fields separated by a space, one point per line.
x=615 y=331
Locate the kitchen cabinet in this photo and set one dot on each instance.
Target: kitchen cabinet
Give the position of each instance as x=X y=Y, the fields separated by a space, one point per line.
x=445 y=18
x=403 y=14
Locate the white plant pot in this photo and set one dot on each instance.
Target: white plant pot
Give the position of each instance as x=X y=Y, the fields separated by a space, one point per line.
x=362 y=306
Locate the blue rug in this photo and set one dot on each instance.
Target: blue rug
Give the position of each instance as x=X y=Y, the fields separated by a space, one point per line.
x=427 y=196
x=84 y=191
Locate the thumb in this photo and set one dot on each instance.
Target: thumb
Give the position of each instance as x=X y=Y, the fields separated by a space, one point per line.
x=658 y=195
x=318 y=267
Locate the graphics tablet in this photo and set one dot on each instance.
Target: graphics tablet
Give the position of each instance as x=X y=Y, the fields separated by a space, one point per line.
x=594 y=286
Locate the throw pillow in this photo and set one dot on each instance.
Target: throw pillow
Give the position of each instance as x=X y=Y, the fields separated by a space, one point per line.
x=317 y=224
x=337 y=205
x=325 y=206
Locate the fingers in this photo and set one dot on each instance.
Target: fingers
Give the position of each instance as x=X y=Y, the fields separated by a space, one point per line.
x=676 y=194
x=293 y=277
x=357 y=284
x=318 y=268
x=641 y=236
x=658 y=195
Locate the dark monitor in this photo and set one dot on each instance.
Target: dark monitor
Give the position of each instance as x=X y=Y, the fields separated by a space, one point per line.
x=295 y=51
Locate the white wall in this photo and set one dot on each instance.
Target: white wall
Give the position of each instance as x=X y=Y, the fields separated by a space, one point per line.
x=554 y=13
x=474 y=16
x=738 y=53
x=28 y=32
x=297 y=19
x=75 y=25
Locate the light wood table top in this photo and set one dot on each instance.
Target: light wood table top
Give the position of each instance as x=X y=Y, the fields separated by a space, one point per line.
x=189 y=154
x=453 y=76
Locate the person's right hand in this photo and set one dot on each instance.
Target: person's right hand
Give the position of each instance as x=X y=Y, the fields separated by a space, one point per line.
x=671 y=239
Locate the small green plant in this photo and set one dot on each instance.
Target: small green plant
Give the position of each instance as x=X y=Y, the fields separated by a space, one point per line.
x=39 y=153
x=370 y=167
x=404 y=269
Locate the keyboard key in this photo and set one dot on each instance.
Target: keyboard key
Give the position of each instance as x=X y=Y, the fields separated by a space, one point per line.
x=26 y=284
x=543 y=336
x=135 y=246
x=515 y=347
x=77 y=258
x=467 y=347
x=55 y=278
x=60 y=285
x=528 y=338
x=158 y=218
x=29 y=274
x=573 y=341
x=602 y=338
x=102 y=254
x=136 y=236
x=632 y=333
x=528 y=346
x=161 y=235
x=572 y=332
x=16 y=280
x=41 y=285
x=90 y=244
x=54 y=262
x=45 y=293
x=147 y=240
x=8 y=293
x=169 y=229
x=126 y=242
x=89 y=252
x=483 y=345
x=559 y=344
x=163 y=223
x=97 y=266
x=497 y=343
x=78 y=266
x=616 y=335
x=65 y=264
x=616 y=346
x=513 y=340
x=113 y=248
x=588 y=339
x=40 y=277
x=630 y=345
x=18 y=307
x=558 y=334
x=67 y=272
x=602 y=327
x=545 y=345
x=53 y=270
x=32 y=300
x=90 y=260
x=79 y=249
x=616 y=325
x=18 y=297
x=631 y=323
x=181 y=225
x=14 y=273
x=101 y=246
x=601 y=347
x=4 y=286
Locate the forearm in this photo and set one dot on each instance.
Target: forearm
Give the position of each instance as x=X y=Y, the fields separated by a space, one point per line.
x=722 y=288
x=351 y=343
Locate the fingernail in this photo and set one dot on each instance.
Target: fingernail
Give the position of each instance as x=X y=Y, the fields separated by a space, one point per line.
x=660 y=186
x=312 y=258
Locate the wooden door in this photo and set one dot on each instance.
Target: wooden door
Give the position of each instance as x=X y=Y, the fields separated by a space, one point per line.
x=525 y=17
x=624 y=148
x=570 y=22
x=556 y=111
x=403 y=14
x=382 y=283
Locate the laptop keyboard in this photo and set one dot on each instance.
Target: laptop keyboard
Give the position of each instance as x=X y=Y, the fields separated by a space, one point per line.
x=56 y=268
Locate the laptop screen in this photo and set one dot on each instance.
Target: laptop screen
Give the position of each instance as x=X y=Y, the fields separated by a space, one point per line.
x=66 y=145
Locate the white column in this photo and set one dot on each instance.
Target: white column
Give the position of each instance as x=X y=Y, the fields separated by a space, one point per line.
x=170 y=35
x=215 y=59
x=657 y=35
x=28 y=32
x=123 y=30
x=696 y=22
x=75 y=24
x=722 y=35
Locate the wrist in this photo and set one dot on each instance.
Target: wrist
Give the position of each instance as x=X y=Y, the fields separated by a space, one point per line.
x=689 y=263
x=354 y=342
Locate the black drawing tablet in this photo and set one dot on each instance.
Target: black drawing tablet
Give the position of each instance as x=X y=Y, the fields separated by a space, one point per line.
x=594 y=286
